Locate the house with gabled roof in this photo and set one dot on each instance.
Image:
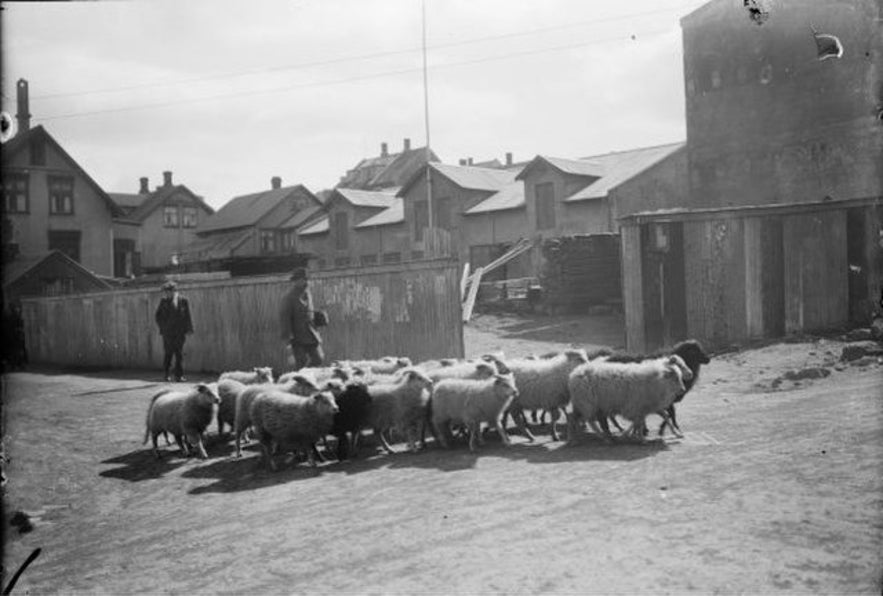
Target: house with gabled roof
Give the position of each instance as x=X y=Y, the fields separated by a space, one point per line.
x=49 y=273
x=480 y=230
x=50 y=202
x=260 y=224
x=357 y=227
x=388 y=170
x=157 y=226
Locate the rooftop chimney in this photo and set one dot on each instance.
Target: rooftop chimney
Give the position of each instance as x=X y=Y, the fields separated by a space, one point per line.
x=407 y=144
x=509 y=159
x=384 y=150
x=276 y=182
x=23 y=115
x=463 y=162
x=469 y=161
x=167 y=178
x=145 y=190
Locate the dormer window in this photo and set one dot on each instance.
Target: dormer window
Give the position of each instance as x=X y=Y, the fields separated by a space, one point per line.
x=170 y=216
x=61 y=195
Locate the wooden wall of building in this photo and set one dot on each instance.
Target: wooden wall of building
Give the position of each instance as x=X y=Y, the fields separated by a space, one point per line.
x=411 y=309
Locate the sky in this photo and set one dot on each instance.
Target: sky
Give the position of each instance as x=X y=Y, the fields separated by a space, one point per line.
x=226 y=95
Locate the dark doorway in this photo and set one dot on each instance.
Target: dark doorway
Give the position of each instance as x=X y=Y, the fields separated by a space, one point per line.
x=663 y=278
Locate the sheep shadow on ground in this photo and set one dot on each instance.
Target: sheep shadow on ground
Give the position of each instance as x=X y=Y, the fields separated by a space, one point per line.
x=587 y=448
x=143 y=465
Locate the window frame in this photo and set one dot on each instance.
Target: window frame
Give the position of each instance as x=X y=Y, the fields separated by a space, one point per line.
x=340 y=226
x=267 y=239
x=421 y=219
x=189 y=211
x=10 y=192
x=52 y=185
x=167 y=221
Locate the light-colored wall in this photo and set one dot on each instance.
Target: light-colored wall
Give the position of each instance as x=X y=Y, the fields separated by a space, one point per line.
x=92 y=216
x=661 y=186
x=159 y=242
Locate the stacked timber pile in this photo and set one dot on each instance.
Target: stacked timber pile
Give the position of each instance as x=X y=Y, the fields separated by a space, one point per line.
x=581 y=272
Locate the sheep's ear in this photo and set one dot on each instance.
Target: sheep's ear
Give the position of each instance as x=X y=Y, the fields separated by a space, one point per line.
x=203 y=388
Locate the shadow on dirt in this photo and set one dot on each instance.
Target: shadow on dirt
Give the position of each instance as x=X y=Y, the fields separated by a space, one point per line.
x=143 y=465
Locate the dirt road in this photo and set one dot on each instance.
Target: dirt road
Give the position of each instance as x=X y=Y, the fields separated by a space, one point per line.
x=777 y=487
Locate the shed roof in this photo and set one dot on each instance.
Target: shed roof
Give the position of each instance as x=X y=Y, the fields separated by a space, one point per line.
x=321 y=226
x=466 y=177
x=576 y=167
x=394 y=214
x=621 y=166
x=216 y=246
x=248 y=210
x=386 y=171
x=20 y=266
x=366 y=198
x=510 y=196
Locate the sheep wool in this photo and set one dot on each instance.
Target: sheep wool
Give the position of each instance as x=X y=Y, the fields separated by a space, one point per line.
x=401 y=404
x=471 y=402
x=298 y=384
x=632 y=390
x=259 y=374
x=184 y=413
x=384 y=366
x=228 y=392
x=292 y=421
x=542 y=385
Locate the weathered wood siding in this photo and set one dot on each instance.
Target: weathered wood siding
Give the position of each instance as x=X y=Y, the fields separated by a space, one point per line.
x=411 y=309
x=632 y=287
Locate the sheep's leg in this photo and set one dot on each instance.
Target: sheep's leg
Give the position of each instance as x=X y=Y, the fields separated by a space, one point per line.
x=220 y=425
x=553 y=418
x=267 y=451
x=473 y=428
x=521 y=422
x=156 y=447
x=196 y=440
x=615 y=422
x=182 y=444
x=238 y=434
x=354 y=443
x=504 y=436
x=440 y=433
x=383 y=442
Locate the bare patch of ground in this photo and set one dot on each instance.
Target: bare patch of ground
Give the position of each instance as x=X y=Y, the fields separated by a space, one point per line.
x=775 y=487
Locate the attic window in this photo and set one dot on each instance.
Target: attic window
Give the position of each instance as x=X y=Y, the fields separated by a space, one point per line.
x=170 y=216
x=188 y=217
x=61 y=195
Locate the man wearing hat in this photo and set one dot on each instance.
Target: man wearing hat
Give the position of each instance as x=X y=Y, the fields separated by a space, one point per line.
x=173 y=320
x=299 y=320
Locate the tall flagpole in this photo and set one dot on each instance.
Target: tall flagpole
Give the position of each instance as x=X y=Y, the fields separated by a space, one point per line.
x=426 y=121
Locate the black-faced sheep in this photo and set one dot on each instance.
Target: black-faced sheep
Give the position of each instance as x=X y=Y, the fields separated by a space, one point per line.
x=184 y=413
x=401 y=404
x=542 y=385
x=354 y=407
x=291 y=421
x=471 y=402
x=633 y=390
x=259 y=374
x=694 y=357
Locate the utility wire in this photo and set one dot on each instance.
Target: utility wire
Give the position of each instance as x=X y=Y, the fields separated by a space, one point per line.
x=362 y=57
x=350 y=79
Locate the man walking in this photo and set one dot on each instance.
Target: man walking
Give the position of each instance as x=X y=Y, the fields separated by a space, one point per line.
x=173 y=320
x=299 y=323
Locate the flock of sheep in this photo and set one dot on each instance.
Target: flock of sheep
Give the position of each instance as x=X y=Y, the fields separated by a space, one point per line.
x=391 y=395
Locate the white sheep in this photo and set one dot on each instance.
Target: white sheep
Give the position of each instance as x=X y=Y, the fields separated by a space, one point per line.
x=385 y=365
x=298 y=384
x=228 y=391
x=318 y=374
x=185 y=413
x=542 y=385
x=401 y=404
x=282 y=419
x=259 y=374
x=600 y=389
x=471 y=402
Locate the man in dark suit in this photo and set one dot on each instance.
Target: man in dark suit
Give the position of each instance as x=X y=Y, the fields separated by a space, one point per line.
x=298 y=322
x=173 y=320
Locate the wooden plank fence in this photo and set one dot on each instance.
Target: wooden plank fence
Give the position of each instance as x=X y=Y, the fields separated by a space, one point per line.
x=405 y=309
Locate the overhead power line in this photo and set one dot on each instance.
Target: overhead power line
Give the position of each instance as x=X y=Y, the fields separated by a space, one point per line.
x=389 y=73
x=361 y=57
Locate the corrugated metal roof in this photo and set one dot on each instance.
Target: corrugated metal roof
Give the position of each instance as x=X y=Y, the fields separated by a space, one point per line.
x=393 y=215
x=510 y=196
x=320 y=227
x=578 y=167
x=621 y=166
x=367 y=198
x=246 y=210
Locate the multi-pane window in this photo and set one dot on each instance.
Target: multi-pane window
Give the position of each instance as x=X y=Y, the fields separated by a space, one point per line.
x=421 y=219
x=15 y=192
x=369 y=259
x=341 y=231
x=268 y=241
x=67 y=241
x=61 y=195
x=545 y=205
x=188 y=217
x=170 y=216
x=288 y=241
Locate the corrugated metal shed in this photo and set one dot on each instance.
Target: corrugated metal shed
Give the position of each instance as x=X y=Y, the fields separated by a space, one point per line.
x=621 y=166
